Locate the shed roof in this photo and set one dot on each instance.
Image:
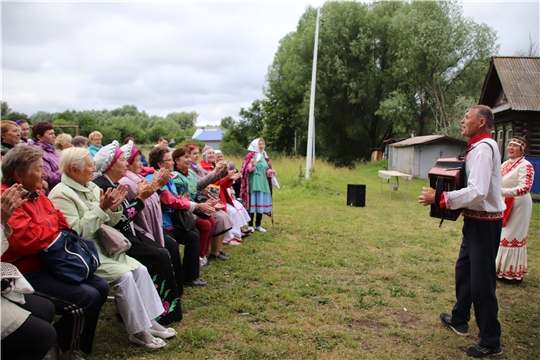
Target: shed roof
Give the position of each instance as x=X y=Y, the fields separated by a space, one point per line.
x=520 y=81
x=427 y=139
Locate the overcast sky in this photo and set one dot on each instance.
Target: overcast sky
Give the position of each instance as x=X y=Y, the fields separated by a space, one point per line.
x=209 y=57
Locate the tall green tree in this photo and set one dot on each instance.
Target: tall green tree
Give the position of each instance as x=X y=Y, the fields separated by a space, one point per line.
x=226 y=122
x=250 y=126
x=5 y=109
x=183 y=119
x=384 y=69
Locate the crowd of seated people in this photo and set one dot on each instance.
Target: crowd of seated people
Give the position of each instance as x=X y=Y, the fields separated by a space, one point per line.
x=52 y=184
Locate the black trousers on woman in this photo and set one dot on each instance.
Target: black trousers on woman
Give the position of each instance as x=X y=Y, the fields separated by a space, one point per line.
x=79 y=305
x=33 y=339
x=191 y=241
x=162 y=264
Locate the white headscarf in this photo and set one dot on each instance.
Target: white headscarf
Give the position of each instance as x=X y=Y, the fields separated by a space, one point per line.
x=254 y=146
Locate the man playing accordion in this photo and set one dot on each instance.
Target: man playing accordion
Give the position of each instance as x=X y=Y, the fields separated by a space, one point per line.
x=483 y=210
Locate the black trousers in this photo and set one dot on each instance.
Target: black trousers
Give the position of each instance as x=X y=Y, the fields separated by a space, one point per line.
x=258 y=219
x=79 y=305
x=33 y=339
x=191 y=241
x=476 y=279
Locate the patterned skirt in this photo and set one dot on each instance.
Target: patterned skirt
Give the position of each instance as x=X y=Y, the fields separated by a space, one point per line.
x=511 y=262
x=260 y=202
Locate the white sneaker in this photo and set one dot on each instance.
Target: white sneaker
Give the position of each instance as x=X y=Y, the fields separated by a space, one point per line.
x=260 y=228
x=250 y=229
x=234 y=242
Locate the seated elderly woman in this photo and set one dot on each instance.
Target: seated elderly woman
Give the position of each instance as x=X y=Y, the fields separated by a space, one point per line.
x=160 y=158
x=86 y=207
x=95 y=142
x=35 y=225
x=44 y=138
x=111 y=165
x=27 y=332
x=235 y=210
x=187 y=182
x=80 y=141
x=11 y=136
x=204 y=178
x=205 y=224
x=63 y=141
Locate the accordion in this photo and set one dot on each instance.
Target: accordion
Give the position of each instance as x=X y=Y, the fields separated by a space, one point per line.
x=446 y=175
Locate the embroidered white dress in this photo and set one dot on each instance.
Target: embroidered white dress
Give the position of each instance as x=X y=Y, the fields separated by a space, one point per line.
x=517 y=179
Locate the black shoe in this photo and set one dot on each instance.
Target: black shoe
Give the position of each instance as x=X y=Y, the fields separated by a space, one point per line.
x=510 y=281
x=478 y=351
x=461 y=329
x=245 y=234
x=196 y=282
x=220 y=256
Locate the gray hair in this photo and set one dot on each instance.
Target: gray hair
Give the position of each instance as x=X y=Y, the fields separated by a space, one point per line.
x=20 y=158
x=73 y=156
x=485 y=112
x=79 y=141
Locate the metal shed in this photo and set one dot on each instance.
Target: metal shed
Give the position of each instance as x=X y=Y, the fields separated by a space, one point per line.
x=417 y=155
x=211 y=137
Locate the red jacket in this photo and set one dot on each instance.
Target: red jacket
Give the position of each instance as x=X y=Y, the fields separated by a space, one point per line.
x=35 y=226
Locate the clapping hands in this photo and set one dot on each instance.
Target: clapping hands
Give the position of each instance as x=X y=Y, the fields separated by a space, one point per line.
x=206 y=209
x=161 y=177
x=145 y=190
x=112 y=198
x=11 y=200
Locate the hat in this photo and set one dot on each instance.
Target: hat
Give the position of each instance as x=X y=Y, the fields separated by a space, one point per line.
x=206 y=149
x=106 y=157
x=130 y=151
x=218 y=152
x=519 y=141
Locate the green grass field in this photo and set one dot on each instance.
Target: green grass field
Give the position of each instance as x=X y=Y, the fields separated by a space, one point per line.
x=330 y=281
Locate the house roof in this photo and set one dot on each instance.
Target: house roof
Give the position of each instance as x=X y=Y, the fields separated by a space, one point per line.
x=519 y=78
x=210 y=135
x=427 y=139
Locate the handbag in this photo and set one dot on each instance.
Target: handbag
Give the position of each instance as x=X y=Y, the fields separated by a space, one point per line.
x=183 y=220
x=112 y=240
x=70 y=257
x=14 y=285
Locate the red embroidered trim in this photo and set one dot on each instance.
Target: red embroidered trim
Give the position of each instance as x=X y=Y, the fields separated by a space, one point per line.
x=511 y=274
x=482 y=215
x=509 y=166
x=515 y=243
x=529 y=177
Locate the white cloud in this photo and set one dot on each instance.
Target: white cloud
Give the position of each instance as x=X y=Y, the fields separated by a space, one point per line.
x=209 y=57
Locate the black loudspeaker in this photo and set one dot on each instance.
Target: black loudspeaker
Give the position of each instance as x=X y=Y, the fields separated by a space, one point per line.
x=356 y=195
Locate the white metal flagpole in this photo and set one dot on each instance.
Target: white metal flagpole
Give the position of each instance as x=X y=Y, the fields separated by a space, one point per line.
x=311 y=125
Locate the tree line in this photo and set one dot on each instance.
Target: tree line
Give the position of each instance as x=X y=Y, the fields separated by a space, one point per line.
x=384 y=70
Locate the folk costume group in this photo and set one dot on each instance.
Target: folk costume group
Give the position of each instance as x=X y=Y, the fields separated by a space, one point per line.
x=481 y=260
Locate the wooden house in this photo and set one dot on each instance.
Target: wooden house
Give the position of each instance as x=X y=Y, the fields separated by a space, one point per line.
x=512 y=90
